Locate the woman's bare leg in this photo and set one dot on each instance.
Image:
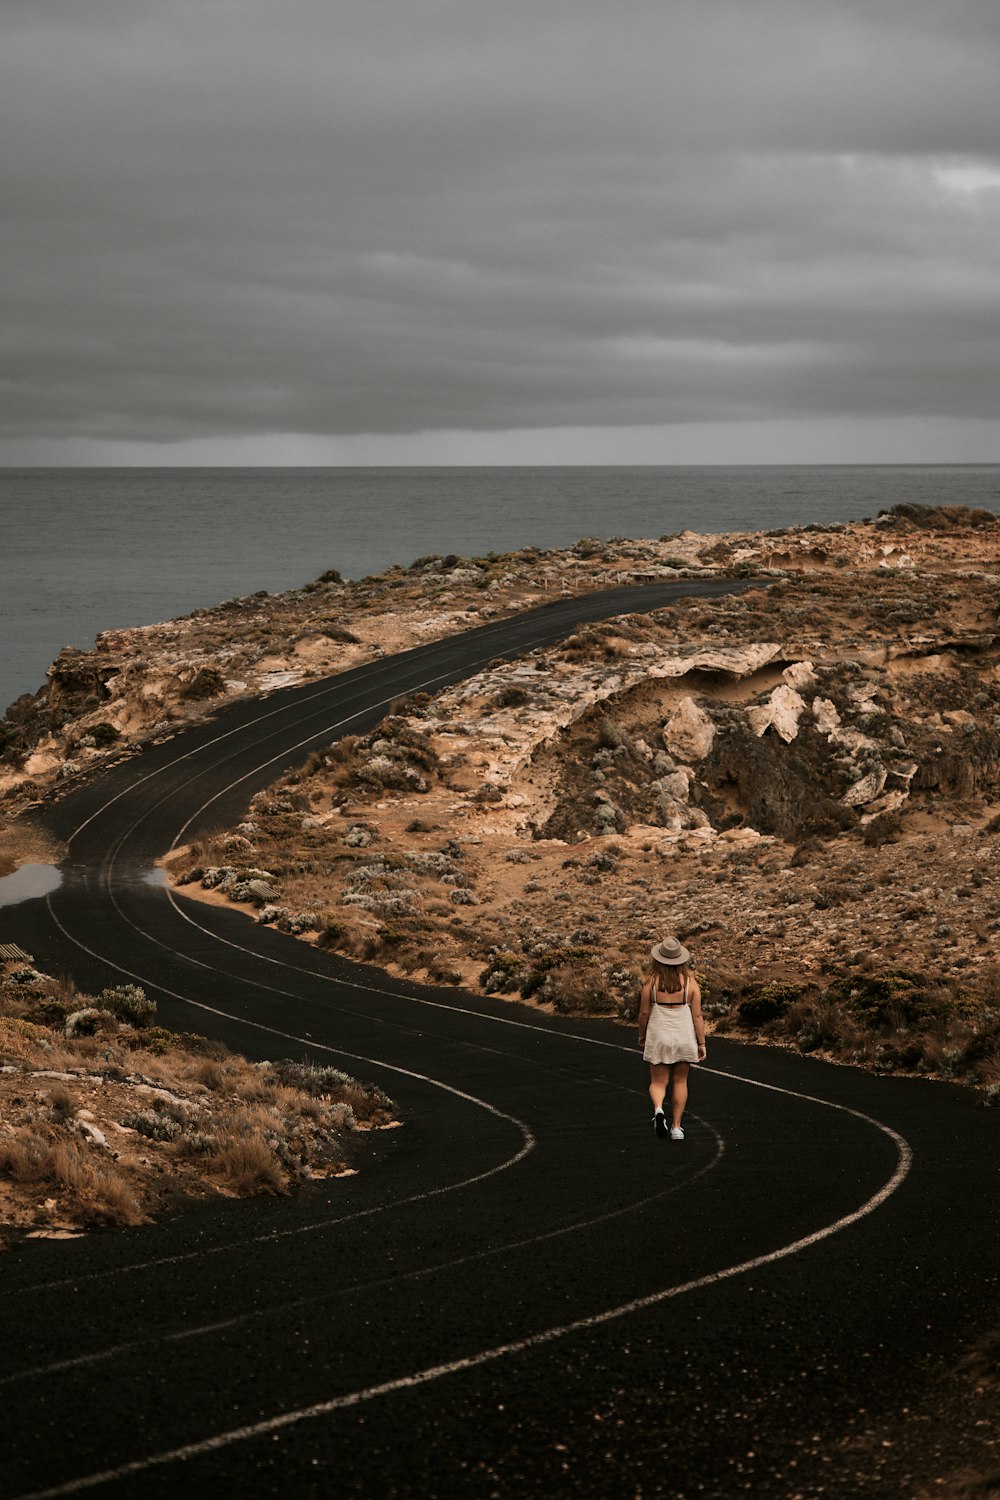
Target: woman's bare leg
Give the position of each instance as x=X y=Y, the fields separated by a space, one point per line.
x=679 y=1091
x=658 y=1075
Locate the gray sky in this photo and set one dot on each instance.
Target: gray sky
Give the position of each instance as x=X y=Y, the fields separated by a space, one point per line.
x=529 y=231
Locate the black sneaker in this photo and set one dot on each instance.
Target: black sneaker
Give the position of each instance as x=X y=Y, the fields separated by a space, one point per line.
x=660 y=1124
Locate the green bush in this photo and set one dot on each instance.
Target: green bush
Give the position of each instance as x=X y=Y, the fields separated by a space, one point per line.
x=885 y=829
x=53 y=1013
x=88 y=1021
x=129 y=1002
x=511 y=696
x=556 y=958
x=154 y=1039
x=900 y=997
x=206 y=683
x=154 y=1126
x=501 y=973
x=984 y=1042
x=767 y=1002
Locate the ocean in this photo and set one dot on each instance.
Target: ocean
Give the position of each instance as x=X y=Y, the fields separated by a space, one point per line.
x=84 y=550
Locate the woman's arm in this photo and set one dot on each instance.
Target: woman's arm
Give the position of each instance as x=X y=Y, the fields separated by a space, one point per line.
x=697 y=1017
x=643 y=1013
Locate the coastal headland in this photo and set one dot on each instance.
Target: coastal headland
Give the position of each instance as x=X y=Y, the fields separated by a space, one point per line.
x=493 y=1283
x=801 y=779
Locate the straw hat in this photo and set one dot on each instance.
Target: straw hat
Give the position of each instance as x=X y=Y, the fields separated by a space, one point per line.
x=670 y=951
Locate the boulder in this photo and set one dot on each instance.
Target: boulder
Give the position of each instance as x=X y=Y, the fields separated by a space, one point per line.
x=867 y=789
x=800 y=675
x=689 y=732
x=781 y=713
x=826 y=715
x=676 y=784
x=669 y=814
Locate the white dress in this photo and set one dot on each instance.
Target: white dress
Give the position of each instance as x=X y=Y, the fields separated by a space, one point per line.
x=670 y=1035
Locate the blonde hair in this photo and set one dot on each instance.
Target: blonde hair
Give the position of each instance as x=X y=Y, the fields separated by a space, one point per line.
x=669 y=977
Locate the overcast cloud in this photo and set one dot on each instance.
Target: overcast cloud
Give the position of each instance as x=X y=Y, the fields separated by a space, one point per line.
x=232 y=218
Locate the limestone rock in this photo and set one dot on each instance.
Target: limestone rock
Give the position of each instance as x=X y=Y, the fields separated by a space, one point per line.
x=676 y=784
x=781 y=713
x=800 y=675
x=689 y=732
x=740 y=661
x=867 y=789
x=668 y=815
x=826 y=715
x=888 y=802
x=92 y=1133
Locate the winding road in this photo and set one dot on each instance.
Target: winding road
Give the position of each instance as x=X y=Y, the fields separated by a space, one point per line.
x=523 y=1292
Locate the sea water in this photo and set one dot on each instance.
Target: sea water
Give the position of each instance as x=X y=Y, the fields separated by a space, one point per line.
x=84 y=550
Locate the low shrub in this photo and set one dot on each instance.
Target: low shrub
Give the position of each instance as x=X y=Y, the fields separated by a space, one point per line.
x=814 y=1023
x=512 y=696
x=900 y=998
x=766 y=1002
x=984 y=1043
x=129 y=1002
x=887 y=828
x=88 y=1021
x=502 y=973
x=53 y=1013
x=154 y=1125
x=207 y=682
x=576 y=989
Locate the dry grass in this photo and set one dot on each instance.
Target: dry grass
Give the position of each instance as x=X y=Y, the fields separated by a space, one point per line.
x=61 y=1103
x=209 y=1072
x=248 y=1165
x=23 y=842
x=93 y=1193
x=145 y=1120
x=25 y=1157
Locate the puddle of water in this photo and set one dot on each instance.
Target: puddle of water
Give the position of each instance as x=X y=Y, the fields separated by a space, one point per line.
x=155 y=877
x=28 y=883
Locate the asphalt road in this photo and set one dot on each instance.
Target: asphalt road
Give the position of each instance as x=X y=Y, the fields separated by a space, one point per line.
x=523 y=1292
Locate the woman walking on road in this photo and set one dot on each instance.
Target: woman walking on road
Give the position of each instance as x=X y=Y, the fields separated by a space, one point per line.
x=671 y=1031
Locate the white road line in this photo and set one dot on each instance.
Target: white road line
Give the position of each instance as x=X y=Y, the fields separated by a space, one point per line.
x=283 y=1308
x=344 y=678
x=529 y=1342
x=270 y=1425
x=329 y=684
x=310 y=1043
x=375 y=989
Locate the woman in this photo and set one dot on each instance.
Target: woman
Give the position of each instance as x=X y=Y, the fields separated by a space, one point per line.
x=671 y=1031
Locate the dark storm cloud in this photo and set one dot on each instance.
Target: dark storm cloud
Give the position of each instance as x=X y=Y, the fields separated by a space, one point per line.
x=242 y=216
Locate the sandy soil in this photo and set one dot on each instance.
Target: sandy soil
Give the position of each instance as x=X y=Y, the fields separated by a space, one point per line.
x=23 y=843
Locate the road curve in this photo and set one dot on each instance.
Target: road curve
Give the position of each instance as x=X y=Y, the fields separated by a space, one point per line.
x=523 y=1292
